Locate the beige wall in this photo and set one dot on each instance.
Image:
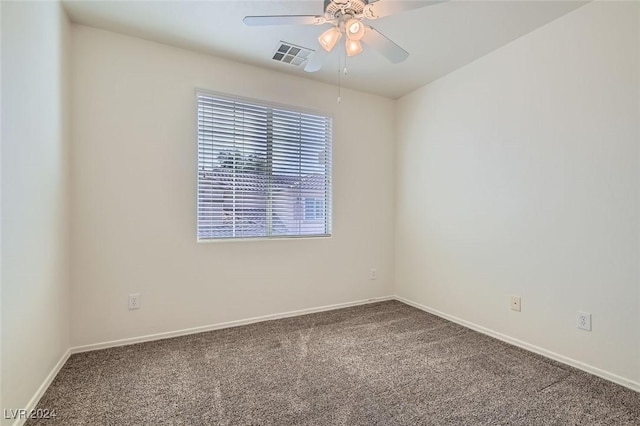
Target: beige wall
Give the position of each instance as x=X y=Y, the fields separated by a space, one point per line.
x=35 y=282
x=519 y=174
x=133 y=196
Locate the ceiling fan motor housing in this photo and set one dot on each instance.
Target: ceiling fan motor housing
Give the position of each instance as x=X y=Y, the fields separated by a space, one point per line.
x=336 y=9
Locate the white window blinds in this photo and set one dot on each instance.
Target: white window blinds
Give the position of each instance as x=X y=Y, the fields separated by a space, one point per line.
x=257 y=165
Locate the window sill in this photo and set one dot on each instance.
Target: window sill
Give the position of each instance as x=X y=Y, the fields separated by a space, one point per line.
x=230 y=240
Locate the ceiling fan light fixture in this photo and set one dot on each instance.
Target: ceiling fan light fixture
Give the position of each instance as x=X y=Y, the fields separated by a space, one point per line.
x=354 y=29
x=329 y=38
x=353 y=47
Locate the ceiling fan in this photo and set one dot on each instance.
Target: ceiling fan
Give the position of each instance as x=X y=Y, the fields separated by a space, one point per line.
x=346 y=17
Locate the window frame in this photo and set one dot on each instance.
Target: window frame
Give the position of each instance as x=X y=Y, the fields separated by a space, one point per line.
x=261 y=102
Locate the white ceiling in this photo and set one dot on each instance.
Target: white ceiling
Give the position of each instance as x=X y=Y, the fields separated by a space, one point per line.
x=439 y=38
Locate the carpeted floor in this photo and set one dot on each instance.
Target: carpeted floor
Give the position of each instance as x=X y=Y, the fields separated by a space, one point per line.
x=380 y=364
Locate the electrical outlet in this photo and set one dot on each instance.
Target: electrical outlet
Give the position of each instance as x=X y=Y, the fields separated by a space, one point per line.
x=134 y=301
x=584 y=321
x=515 y=303
x=373 y=274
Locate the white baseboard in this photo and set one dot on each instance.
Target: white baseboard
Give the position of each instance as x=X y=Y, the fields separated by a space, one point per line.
x=237 y=323
x=532 y=348
x=44 y=386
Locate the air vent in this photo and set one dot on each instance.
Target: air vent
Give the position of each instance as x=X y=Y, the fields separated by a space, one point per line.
x=291 y=54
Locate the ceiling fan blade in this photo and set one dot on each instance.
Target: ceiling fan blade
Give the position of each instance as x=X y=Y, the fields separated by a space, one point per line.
x=382 y=44
x=317 y=60
x=283 y=20
x=381 y=8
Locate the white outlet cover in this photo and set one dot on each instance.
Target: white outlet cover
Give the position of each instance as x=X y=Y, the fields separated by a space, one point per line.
x=134 y=301
x=584 y=321
x=515 y=303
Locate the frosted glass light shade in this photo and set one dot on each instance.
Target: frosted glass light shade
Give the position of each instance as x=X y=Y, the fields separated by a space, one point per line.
x=353 y=47
x=329 y=38
x=354 y=29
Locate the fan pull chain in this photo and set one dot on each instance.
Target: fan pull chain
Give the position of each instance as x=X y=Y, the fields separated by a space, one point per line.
x=345 y=65
x=340 y=71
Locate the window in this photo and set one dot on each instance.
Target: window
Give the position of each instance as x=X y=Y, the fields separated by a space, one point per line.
x=263 y=170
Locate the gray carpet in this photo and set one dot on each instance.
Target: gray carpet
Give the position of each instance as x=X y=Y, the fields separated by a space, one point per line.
x=380 y=364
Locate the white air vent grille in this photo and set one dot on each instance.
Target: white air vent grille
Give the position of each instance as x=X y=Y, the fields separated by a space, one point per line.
x=291 y=54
